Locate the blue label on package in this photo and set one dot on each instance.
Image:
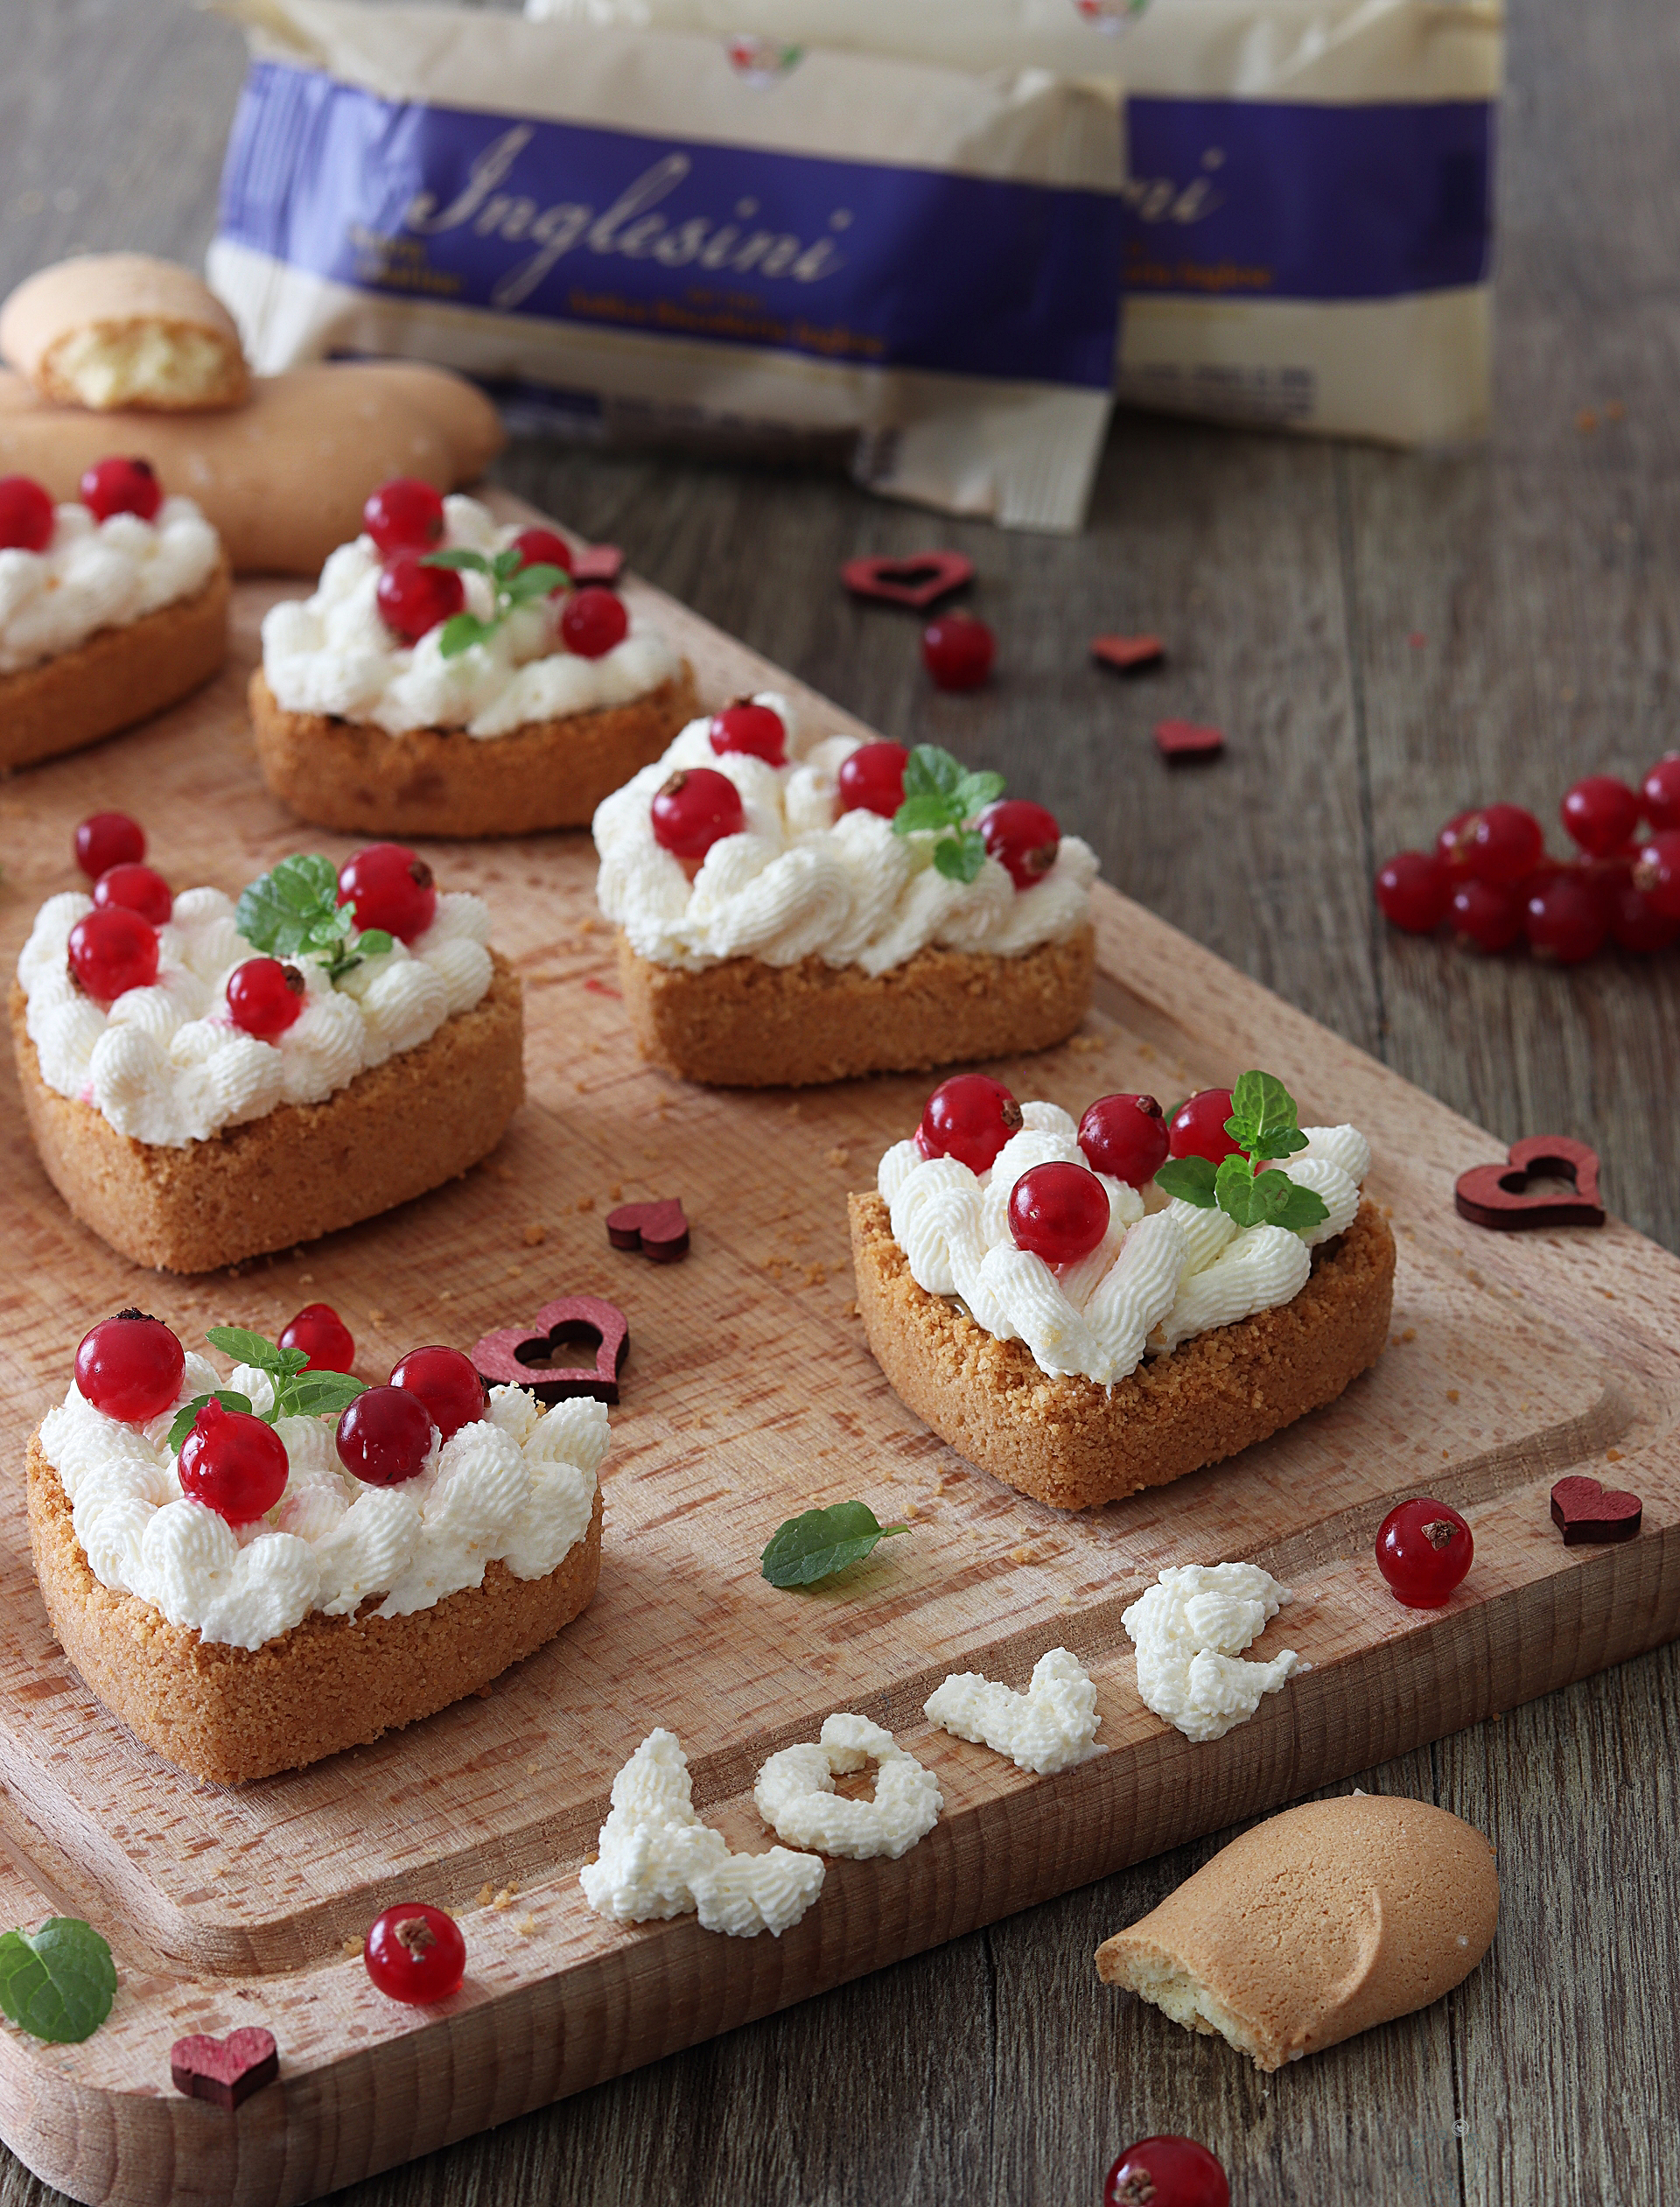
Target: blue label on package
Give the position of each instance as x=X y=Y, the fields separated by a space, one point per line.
x=852 y=262
x=1256 y=199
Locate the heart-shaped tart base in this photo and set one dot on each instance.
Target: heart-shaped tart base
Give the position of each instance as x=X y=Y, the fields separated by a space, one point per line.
x=228 y=2070
x=1586 y=1513
x=1499 y=1195
x=519 y=1356
x=918 y=581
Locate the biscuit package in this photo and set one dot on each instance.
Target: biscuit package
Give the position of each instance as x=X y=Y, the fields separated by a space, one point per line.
x=639 y=233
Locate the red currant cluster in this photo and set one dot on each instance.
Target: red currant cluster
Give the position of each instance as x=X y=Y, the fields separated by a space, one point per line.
x=405 y=519
x=113 y=947
x=109 y=487
x=1490 y=878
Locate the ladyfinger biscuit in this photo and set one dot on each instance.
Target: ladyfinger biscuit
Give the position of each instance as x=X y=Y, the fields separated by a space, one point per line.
x=122 y=330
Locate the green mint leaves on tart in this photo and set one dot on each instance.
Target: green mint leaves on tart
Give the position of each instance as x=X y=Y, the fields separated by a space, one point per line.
x=57 y=1983
x=941 y=796
x=818 y=1543
x=295 y=913
x=1265 y=1126
x=514 y=583
x=297 y=1394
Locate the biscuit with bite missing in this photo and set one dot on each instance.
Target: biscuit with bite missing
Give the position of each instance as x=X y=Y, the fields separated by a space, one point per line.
x=115 y=330
x=1315 y=1925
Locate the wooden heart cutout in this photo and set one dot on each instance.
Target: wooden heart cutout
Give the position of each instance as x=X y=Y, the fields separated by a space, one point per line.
x=659 y=1231
x=1499 y=1196
x=228 y=2070
x=1127 y=653
x=1584 y=1511
x=920 y=579
x=512 y=1356
x=1187 y=740
x=600 y=563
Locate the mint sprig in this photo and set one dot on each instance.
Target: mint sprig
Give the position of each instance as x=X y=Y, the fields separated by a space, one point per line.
x=297 y=1394
x=1265 y=1125
x=57 y=1983
x=294 y=912
x=513 y=582
x=818 y=1543
x=941 y=796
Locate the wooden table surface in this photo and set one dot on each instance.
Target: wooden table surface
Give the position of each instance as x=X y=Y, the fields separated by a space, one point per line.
x=1385 y=639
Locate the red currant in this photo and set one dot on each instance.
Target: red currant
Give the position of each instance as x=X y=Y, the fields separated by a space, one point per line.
x=1566 y=920
x=1059 y=1212
x=1413 y=892
x=1506 y=844
x=697 y=808
x=264 y=996
x=129 y=1367
x=871 y=779
x=416 y=1953
x=108 y=839
x=544 y=548
x=1198 y=1128
x=447 y=1381
x=113 y=950
x=957 y=650
x=1488 y=919
x=122 y=487
x=233 y=1463
x=593 y=621
x=1167 y=2172
x=1125 y=1137
x=1455 y=843
x=1022 y=836
x=389 y=888
x=1656 y=873
x=970 y=1117
x=1599 y=812
x=1423 y=1551
x=27 y=515
x=1659 y=793
x=323 y=1336
x=135 y=889
x=1634 y=925
x=385 y=1436
x=403 y=515
x=750 y=728
x=414 y=598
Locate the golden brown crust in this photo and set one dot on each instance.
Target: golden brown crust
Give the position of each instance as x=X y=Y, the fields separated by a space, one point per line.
x=744 y=1024
x=118 y=677
x=441 y=781
x=1073 y=1443
x=305 y=1169
x=231 y=1714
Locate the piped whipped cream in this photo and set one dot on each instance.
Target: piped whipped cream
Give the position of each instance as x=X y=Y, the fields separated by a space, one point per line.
x=96 y=575
x=796 y=1798
x=804 y=879
x=1156 y=1279
x=1190 y=1631
x=657 y=1859
x=166 y=1065
x=1050 y=1727
x=332 y=654
x=516 y=1487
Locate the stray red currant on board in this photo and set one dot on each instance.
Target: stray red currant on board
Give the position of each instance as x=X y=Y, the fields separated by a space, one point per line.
x=416 y=1953
x=958 y=650
x=1167 y=2172
x=1424 y=1551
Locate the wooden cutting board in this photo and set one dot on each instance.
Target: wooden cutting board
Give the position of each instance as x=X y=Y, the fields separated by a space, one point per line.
x=748 y=1396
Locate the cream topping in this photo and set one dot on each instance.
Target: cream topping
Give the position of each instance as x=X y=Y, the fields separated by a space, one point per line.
x=802 y=881
x=96 y=575
x=166 y=1065
x=1050 y=1727
x=1190 y=1631
x=1156 y=1277
x=796 y=1798
x=332 y=654
x=516 y=1487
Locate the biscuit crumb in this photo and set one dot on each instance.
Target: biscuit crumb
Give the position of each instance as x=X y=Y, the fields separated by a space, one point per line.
x=526 y=1926
x=353 y=1947
x=1611 y=1456
x=1410 y=1334
x=1023 y=1554
x=306 y=1279
x=911 y=1510
x=816 y=1275
x=1146 y=1051
x=534 y=1235
x=486 y=1894
x=1083 y=1044
x=504 y=1899
x=375 y=1318
x=615 y=1193
x=840 y=1156
x=585 y=1202
x=1452 y=1394
x=531 y=1769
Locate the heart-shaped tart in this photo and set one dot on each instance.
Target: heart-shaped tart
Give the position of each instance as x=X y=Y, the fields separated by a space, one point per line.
x=228 y=2070
x=519 y=1356
x=918 y=581
x=659 y=1231
x=1586 y=1512
x=1499 y=1195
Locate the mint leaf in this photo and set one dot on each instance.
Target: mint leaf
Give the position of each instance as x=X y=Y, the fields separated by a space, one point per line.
x=374 y=945
x=247 y=1347
x=315 y=1394
x=462 y=561
x=821 y=1542
x=506 y=562
x=535 y=582
x=976 y=791
x=461 y=632
x=929 y=771
x=57 y=1983
x=1264 y=1118
x=1189 y=1179
x=1301 y=1208
x=279 y=912
x=187 y=1416
x=1234 y=1191
x=917 y=816
x=960 y=857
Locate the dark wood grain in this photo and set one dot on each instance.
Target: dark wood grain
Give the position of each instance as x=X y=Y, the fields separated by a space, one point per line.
x=1544 y=576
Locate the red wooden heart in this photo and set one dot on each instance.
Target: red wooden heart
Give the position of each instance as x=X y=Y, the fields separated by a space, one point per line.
x=1127 y=653
x=918 y=581
x=659 y=1231
x=1582 y=1511
x=513 y=1356
x=600 y=563
x=1184 y=739
x=1498 y=1196
x=228 y=2070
